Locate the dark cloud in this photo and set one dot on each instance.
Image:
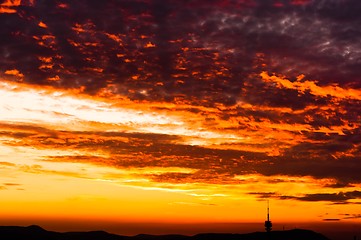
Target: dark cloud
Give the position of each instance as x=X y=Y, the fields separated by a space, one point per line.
x=335 y=198
x=338 y=185
x=201 y=50
x=203 y=53
x=351 y=216
x=265 y=195
x=344 y=170
x=331 y=219
x=329 y=197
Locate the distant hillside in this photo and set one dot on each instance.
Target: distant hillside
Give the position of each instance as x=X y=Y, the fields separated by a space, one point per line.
x=38 y=233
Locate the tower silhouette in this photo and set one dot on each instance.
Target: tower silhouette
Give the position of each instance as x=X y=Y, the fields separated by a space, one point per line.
x=268 y=223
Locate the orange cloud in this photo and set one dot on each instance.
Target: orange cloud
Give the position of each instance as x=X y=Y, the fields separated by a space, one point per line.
x=14 y=72
x=8 y=6
x=42 y=24
x=149 y=45
x=306 y=85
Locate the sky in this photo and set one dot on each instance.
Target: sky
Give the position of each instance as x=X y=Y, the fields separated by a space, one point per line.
x=179 y=112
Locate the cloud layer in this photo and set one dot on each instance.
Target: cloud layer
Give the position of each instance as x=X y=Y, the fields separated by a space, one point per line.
x=223 y=89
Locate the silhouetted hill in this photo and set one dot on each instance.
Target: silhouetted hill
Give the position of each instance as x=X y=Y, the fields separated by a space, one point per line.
x=94 y=235
x=161 y=237
x=296 y=234
x=38 y=233
x=24 y=233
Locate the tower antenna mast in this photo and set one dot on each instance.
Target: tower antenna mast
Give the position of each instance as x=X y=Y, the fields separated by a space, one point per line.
x=268 y=223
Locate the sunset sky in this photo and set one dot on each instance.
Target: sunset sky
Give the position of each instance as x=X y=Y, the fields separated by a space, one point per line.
x=180 y=112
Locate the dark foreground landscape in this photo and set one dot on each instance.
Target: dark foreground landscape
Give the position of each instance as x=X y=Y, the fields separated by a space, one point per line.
x=38 y=233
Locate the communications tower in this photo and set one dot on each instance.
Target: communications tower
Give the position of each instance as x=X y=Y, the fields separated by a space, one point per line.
x=268 y=223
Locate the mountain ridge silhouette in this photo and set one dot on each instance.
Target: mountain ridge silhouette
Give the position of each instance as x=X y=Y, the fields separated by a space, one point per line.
x=38 y=233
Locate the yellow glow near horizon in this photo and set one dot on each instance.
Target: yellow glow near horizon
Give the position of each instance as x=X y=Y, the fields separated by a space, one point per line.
x=73 y=189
